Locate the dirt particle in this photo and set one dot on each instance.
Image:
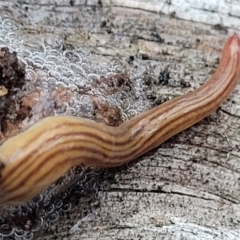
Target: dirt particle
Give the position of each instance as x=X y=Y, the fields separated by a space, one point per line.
x=61 y=95
x=112 y=84
x=12 y=79
x=164 y=77
x=107 y=114
x=3 y=91
x=31 y=99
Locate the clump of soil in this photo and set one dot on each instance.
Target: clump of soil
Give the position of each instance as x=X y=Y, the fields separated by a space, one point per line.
x=12 y=79
x=112 y=84
x=107 y=114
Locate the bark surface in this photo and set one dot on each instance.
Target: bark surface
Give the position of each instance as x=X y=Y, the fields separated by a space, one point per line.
x=188 y=188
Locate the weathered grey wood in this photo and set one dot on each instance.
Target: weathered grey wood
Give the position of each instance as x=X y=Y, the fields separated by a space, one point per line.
x=189 y=187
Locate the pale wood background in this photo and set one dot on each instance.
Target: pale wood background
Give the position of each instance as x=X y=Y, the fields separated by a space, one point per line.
x=189 y=187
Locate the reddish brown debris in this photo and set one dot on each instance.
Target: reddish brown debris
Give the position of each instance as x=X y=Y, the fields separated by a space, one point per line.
x=112 y=84
x=107 y=114
x=12 y=78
